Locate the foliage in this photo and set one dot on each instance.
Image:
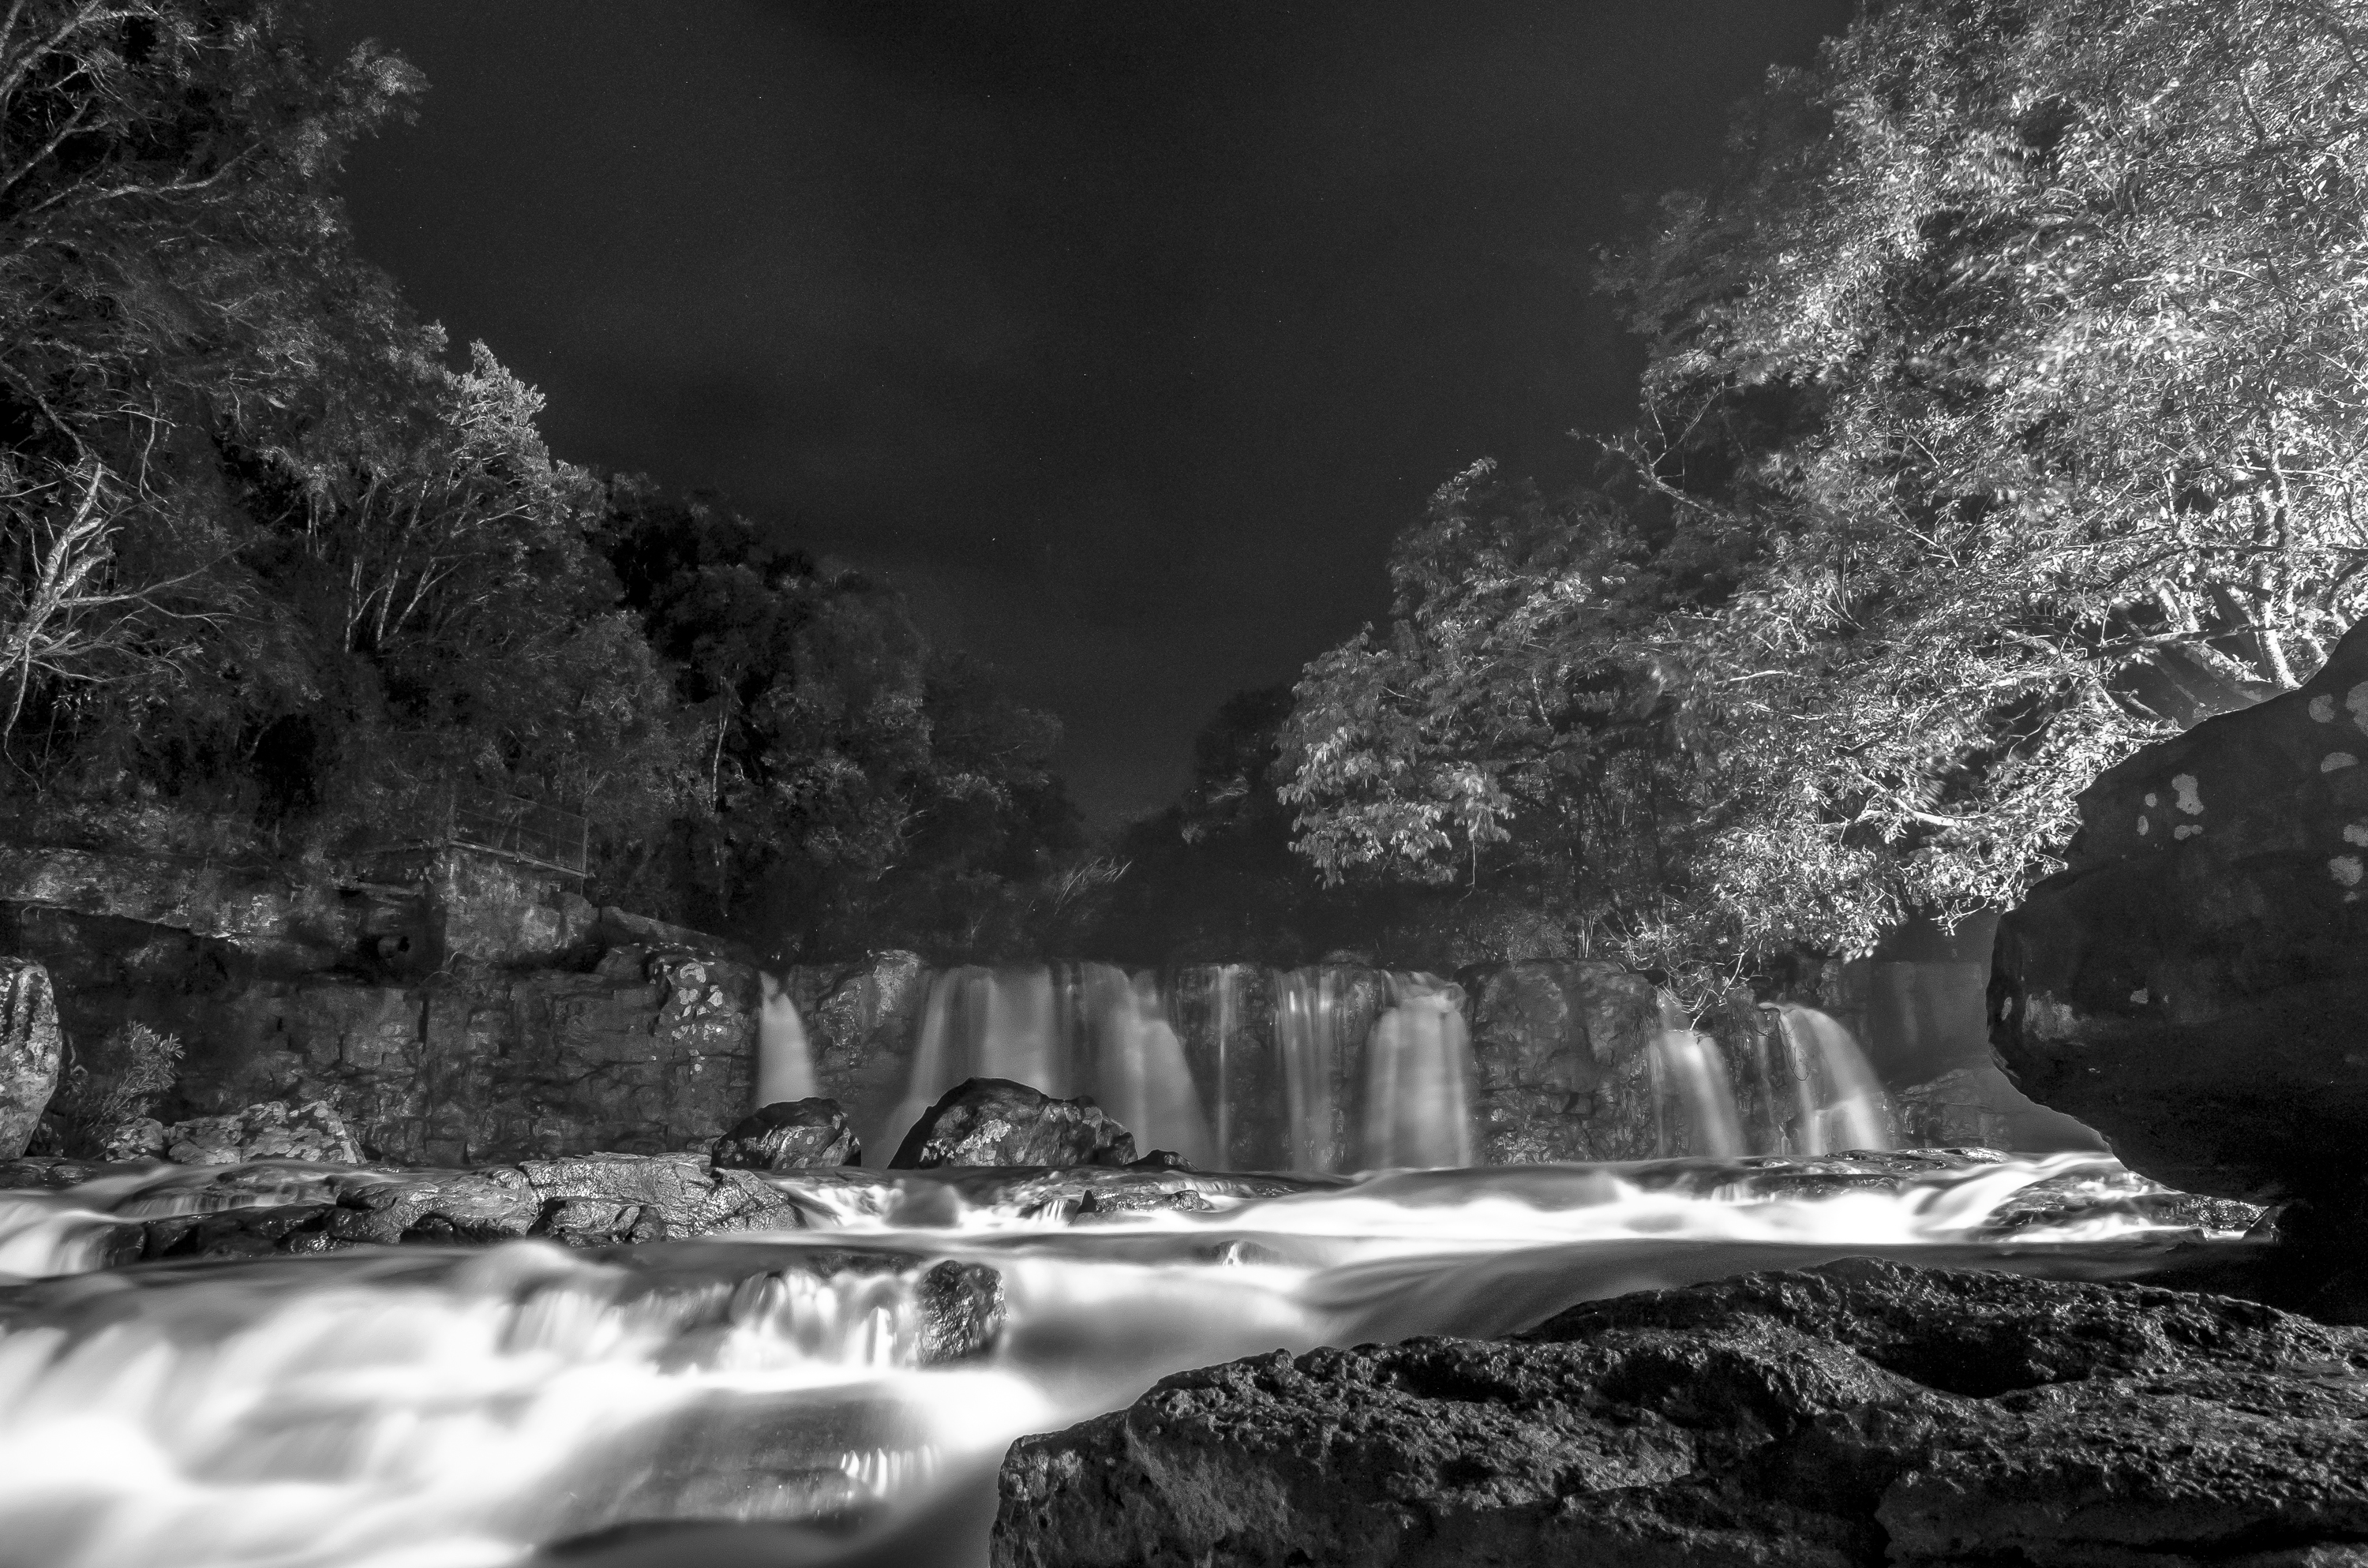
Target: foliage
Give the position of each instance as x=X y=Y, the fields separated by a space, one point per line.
x=276 y=576
x=118 y=1079
x=2004 y=410
x=858 y=784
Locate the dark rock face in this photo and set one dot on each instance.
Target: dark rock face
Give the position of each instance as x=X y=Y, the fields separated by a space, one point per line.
x=1860 y=1413
x=2192 y=985
x=30 y=1050
x=993 y=1121
x=791 y=1135
x=1563 y=1055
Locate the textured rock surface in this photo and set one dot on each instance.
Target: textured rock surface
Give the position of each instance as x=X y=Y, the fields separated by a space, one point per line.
x=993 y=1121
x=1860 y=1413
x=267 y=1131
x=1562 y=1054
x=791 y=1135
x=2192 y=985
x=31 y=1051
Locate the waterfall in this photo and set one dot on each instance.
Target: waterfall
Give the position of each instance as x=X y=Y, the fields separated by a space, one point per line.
x=1140 y=1074
x=1418 y=1078
x=1337 y=1067
x=784 y=1064
x=1307 y=1006
x=1225 y=1028
x=1687 y=1063
x=1840 y=1103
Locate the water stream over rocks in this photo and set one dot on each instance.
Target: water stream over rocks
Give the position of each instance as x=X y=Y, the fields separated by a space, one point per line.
x=839 y=1385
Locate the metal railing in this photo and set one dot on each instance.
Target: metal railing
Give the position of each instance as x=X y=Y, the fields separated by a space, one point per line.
x=522 y=829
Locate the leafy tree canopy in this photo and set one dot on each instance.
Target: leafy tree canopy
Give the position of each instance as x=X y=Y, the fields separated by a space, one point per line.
x=276 y=576
x=2004 y=411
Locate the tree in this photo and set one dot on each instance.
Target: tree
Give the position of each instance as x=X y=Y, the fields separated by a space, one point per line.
x=857 y=786
x=2004 y=410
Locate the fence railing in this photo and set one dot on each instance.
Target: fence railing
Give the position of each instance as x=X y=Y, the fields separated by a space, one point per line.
x=534 y=830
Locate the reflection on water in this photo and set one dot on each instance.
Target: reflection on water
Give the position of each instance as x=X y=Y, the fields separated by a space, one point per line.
x=418 y=1406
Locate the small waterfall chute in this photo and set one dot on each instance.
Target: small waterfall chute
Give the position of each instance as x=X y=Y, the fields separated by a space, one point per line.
x=1839 y=1102
x=1139 y=1073
x=1307 y=1010
x=1690 y=1077
x=784 y=1061
x=1418 y=1078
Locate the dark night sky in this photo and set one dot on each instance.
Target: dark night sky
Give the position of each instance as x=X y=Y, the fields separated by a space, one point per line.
x=1122 y=334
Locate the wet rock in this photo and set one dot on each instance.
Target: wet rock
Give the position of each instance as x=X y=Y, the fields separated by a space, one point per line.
x=266 y=1131
x=489 y=1205
x=2188 y=983
x=1859 y=1413
x=244 y=1232
x=141 y=1138
x=993 y=1121
x=30 y=1050
x=962 y=1311
x=646 y=1196
x=790 y=1135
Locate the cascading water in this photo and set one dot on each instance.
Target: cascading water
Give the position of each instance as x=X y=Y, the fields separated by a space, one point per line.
x=983 y=1023
x=1308 y=1009
x=1140 y=1076
x=1692 y=1091
x=1840 y=1103
x=784 y=1062
x=426 y=1407
x=1226 y=1045
x=1418 y=1078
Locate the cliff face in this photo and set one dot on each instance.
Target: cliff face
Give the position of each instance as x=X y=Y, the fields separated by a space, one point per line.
x=473 y=1012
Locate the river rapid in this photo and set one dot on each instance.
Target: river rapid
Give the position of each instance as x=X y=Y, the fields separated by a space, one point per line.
x=772 y=1398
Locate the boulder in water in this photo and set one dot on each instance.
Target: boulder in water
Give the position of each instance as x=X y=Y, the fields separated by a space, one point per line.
x=267 y=1131
x=30 y=1049
x=790 y=1135
x=993 y=1121
x=1858 y=1413
x=599 y=1198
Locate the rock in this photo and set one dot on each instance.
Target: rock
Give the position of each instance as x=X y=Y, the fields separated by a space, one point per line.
x=1862 y=1414
x=267 y=1131
x=490 y=1205
x=31 y=1051
x=2190 y=985
x=1980 y=1106
x=141 y=1138
x=605 y=1198
x=993 y=1121
x=790 y=1135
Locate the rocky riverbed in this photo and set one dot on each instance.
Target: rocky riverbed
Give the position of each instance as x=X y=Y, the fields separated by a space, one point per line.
x=1859 y=1413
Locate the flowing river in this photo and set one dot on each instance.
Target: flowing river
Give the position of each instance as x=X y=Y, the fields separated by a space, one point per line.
x=774 y=1398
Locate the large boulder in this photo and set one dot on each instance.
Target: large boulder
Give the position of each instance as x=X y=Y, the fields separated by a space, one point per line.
x=30 y=1049
x=993 y=1121
x=790 y=1135
x=1858 y=1413
x=2193 y=984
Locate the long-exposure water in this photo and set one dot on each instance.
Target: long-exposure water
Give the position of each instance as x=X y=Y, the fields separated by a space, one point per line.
x=767 y=1395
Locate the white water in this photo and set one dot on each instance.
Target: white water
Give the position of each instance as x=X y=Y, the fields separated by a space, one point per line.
x=784 y=1063
x=408 y=1407
x=1419 y=1079
x=1140 y=1074
x=1841 y=1105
